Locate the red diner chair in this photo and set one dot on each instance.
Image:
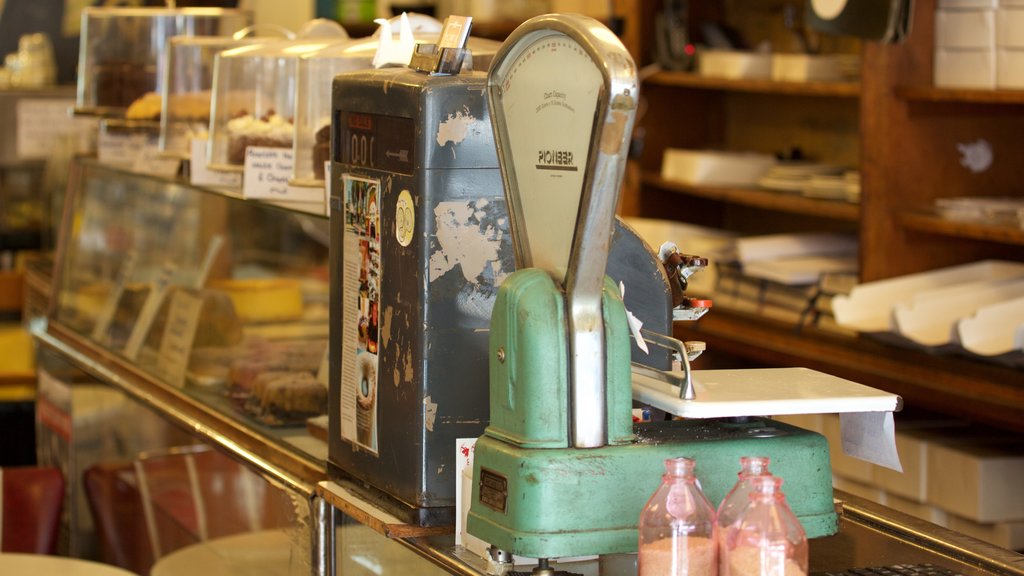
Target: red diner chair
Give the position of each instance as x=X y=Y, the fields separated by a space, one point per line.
x=30 y=509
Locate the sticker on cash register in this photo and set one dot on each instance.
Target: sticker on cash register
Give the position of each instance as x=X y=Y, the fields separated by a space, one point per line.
x=360 y=312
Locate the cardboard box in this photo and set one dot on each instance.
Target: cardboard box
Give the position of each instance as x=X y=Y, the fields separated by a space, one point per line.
x=1006 y=534
x=965 y=28
x=860 y=489
x=965 y=67
x=734 y=64
x=980 y=481
x=1010 y=66
x=917 y=509
x=714 y=168
x=806 y=67
x=1010 y=25
x=913 y=434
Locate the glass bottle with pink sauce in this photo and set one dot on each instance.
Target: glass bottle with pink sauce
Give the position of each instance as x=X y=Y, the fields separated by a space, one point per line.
x=738 y=498
x=766 y=539
x=677 y=526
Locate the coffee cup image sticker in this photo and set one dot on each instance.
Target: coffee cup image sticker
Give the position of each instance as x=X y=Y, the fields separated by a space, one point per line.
x=366 y=400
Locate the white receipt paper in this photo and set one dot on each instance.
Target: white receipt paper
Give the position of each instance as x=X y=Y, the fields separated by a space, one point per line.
x=871 y=436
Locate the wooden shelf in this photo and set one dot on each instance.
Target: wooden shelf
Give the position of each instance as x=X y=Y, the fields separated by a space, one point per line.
x=766 y=199
x=687 y=80
x=959 y=95
x=969 y=389
x=925 y=221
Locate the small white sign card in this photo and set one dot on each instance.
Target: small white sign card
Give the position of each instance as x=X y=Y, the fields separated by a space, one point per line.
x=122 y=149
x=152 y=160
x=266 y=175
x=106 y=315
x=155 y=299
x=179 y=335
x=40 y=122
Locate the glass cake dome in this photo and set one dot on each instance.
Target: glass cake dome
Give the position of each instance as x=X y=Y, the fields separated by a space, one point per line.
x=121 y=54
x=254 y=94
x=187 y=89
x=316 y=72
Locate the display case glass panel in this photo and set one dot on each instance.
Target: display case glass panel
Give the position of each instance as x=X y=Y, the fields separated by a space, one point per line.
x=186 y=96
x=222 y=299
x=254 y=95
x=121 y=53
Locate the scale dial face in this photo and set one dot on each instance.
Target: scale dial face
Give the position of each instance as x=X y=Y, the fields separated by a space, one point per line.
x=548 y=94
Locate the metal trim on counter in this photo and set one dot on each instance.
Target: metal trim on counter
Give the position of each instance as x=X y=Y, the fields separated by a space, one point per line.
x=288 y=468
x=953 y=546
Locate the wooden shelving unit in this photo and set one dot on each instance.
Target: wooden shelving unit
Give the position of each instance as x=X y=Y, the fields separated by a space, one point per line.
x=907 y=138
x=766 y=199
x=925 y=221
x=824 y=89
x=927 y=93
x=961 y=387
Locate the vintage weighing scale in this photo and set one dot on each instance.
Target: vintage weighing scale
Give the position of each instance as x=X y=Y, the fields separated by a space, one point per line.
x=420 y=242
x=561 y=470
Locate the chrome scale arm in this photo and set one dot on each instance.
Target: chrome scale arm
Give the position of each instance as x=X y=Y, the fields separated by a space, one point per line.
x=684 y=352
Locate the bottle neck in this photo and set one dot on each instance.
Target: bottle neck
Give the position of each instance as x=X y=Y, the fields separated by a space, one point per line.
x=753 y=466
x=679 y=468
x=766 y=489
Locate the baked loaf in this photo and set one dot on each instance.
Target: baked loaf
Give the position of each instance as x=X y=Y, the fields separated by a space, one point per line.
x=287 y=398
x=146 y=107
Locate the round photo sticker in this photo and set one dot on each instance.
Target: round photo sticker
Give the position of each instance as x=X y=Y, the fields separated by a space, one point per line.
x=405 y=218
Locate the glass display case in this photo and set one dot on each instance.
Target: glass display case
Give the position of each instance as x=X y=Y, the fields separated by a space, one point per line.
x=120 y=62
x=186 y=96
x=220 y=300
x=254 y=95
x=178 y=390
x=210 y=312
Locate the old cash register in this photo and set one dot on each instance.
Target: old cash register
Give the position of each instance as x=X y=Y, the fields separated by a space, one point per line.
x=420 y=241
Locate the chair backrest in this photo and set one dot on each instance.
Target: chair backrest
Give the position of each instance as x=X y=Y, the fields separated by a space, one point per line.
x=163 y=501
x=30 y=509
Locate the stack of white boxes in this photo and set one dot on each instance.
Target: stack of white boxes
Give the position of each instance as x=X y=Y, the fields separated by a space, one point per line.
x=965 y=44
x=1010 y=44
x=954 y=475
x=979 y=44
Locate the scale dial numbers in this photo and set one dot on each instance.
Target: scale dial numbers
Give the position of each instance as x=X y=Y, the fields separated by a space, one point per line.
x=548 y=97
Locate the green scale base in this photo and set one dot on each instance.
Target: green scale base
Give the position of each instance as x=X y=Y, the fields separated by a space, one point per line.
x=555 y=502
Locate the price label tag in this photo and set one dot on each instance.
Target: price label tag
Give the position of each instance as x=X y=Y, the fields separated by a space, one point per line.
x=152 y=160
x=179 y=335
x=267 y=171
x=106 y=315
x=144 y=322
x=120 y=149
x=201 y=175
x=39 y=122
x=266 y=175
